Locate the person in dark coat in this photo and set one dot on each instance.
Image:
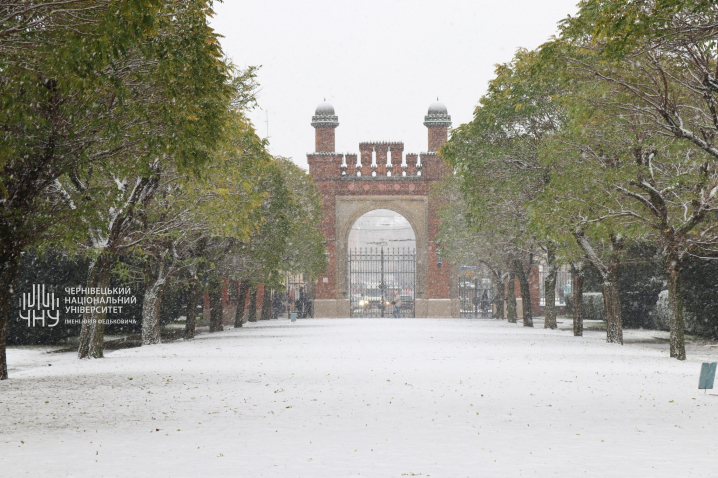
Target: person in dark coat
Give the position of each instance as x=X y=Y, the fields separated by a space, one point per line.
x=485 y=302
x=277 y=305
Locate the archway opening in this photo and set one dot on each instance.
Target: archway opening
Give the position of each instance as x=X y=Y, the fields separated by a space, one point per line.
x=382 y=227
x=382 y=265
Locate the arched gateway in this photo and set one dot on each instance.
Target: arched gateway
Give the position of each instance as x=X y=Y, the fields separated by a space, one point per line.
x=382 y=179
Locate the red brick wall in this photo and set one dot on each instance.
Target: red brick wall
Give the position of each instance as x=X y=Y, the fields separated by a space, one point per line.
x=326 y=171
x=437 y=137
x=226 y=284
x=438 y=286
x=411 y=160
x=433 y=168
x=381 y=158
x=351 y=160
x=366 y=153
x=324 y=167
x=324 y=140
x=439 y=275
x=397 y=152
x=533 y=287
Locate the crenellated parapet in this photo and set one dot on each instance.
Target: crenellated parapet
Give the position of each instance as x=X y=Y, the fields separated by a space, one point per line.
x=383 y=144
x=325 y=165
x=377 y=160
x=433 y=167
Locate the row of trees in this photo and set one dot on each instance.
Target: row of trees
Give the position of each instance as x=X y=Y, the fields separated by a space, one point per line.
x=125 y=141
x=598 y=142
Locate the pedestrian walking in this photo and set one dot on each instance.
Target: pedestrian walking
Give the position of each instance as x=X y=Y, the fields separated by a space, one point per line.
x=485 y=303
x=396 y=302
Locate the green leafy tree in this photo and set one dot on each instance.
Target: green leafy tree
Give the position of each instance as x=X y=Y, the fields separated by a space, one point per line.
x=461 y=243
x=496 y=159
x=659 y=57
x=638 y=186
x=119 y=85
x=643 y=149
x=196 y=221
x=64 y=86
x=288 y=240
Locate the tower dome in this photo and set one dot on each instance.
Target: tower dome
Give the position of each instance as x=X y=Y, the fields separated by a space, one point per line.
x=437 y=116
x=438 y=108
x=324 y=116
x=324 y=109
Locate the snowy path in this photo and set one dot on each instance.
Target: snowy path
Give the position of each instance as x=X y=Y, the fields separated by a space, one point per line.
x=375 y=398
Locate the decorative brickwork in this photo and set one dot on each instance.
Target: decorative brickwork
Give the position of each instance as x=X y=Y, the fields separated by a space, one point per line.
x=324 y=141
x=382 y=180
x=437 y=137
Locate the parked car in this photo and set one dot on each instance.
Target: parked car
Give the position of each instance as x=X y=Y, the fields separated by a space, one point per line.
x=357 y=303
x=371 y=298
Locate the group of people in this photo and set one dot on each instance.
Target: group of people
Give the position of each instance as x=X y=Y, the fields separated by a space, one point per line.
x=282 y=303
x=482 y=304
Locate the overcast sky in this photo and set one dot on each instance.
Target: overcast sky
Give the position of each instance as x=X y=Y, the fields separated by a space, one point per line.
x=379 y=63
x=382 y=227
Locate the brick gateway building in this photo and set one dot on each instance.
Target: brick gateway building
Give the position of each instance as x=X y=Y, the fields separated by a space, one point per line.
x=382 y=178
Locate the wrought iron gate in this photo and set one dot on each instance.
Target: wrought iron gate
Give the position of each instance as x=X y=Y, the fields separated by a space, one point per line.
x=376 y=275
x=476 y=297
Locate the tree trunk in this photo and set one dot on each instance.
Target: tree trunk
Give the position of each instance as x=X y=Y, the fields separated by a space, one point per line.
x=151 y=329
x=193 y=296
x=8 y=275
x=499 y=293
x=577 y=291
x=241 y=302
x=612 y=305
x=525 y=293
x=215 y=308
x=266 y=304
x=92 y=334
x=253 y=305
x=550 y=301
x=610 y=288
x=675 y=307
x=511 y=298
x=549 y=287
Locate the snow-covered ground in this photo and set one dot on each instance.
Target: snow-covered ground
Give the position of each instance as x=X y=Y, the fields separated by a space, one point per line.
x=374 y=398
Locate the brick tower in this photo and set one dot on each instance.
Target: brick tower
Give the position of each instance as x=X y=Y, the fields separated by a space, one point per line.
x=324 y=122
x=438 y=123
